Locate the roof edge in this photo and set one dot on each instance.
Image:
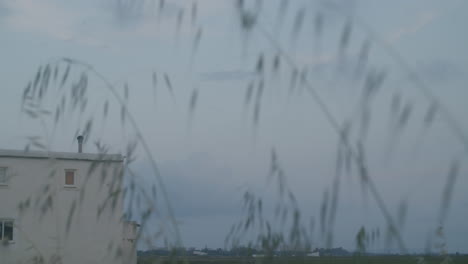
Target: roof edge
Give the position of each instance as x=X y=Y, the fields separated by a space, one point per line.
x=9 y=153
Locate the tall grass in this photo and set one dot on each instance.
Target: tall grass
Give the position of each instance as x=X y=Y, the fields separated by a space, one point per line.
x=69 y=80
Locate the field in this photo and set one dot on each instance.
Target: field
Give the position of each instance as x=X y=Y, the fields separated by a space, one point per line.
x=309 y=260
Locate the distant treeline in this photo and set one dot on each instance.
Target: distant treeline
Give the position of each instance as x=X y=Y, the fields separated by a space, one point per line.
x=239 y=251
x=249 y=252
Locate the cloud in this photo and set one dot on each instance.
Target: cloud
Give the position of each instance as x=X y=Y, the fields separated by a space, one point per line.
x=138 y=13
x=48 y=18
x=421 y=21
x=199 y=185
x=233 y=75
x=105 y=24
x=194 y=184
x=440 y=70
x=320 y=60
x=83 y=23
x=347 y=6
x=146 y=18
x=40 y=17
x=4 y=11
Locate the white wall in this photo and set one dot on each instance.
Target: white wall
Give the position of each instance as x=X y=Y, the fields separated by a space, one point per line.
x=44 y=233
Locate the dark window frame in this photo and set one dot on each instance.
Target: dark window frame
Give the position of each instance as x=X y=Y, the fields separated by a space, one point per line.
x=73 y=185
x=3 y=233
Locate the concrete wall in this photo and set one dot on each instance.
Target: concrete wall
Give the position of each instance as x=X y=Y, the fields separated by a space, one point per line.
x=41 y=227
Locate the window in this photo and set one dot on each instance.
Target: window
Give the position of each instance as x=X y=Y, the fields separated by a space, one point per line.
x=70 y=179
x=6 y=230
x=3 y=176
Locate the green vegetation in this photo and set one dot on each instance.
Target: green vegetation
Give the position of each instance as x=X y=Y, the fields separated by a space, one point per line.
x=311 y=260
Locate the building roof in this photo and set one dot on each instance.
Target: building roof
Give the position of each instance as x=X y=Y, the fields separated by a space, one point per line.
x=7 y=153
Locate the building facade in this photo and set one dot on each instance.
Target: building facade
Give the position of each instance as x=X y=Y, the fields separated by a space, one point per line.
x=66 y=208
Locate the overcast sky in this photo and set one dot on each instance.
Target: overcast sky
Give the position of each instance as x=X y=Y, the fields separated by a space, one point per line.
x=208 y=161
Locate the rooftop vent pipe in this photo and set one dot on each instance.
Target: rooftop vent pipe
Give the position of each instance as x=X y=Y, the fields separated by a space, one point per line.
x=80 y=144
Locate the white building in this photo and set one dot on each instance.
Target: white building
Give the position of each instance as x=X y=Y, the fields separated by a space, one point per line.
x=313 y=254
x=63 y=208
x=199 y=253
